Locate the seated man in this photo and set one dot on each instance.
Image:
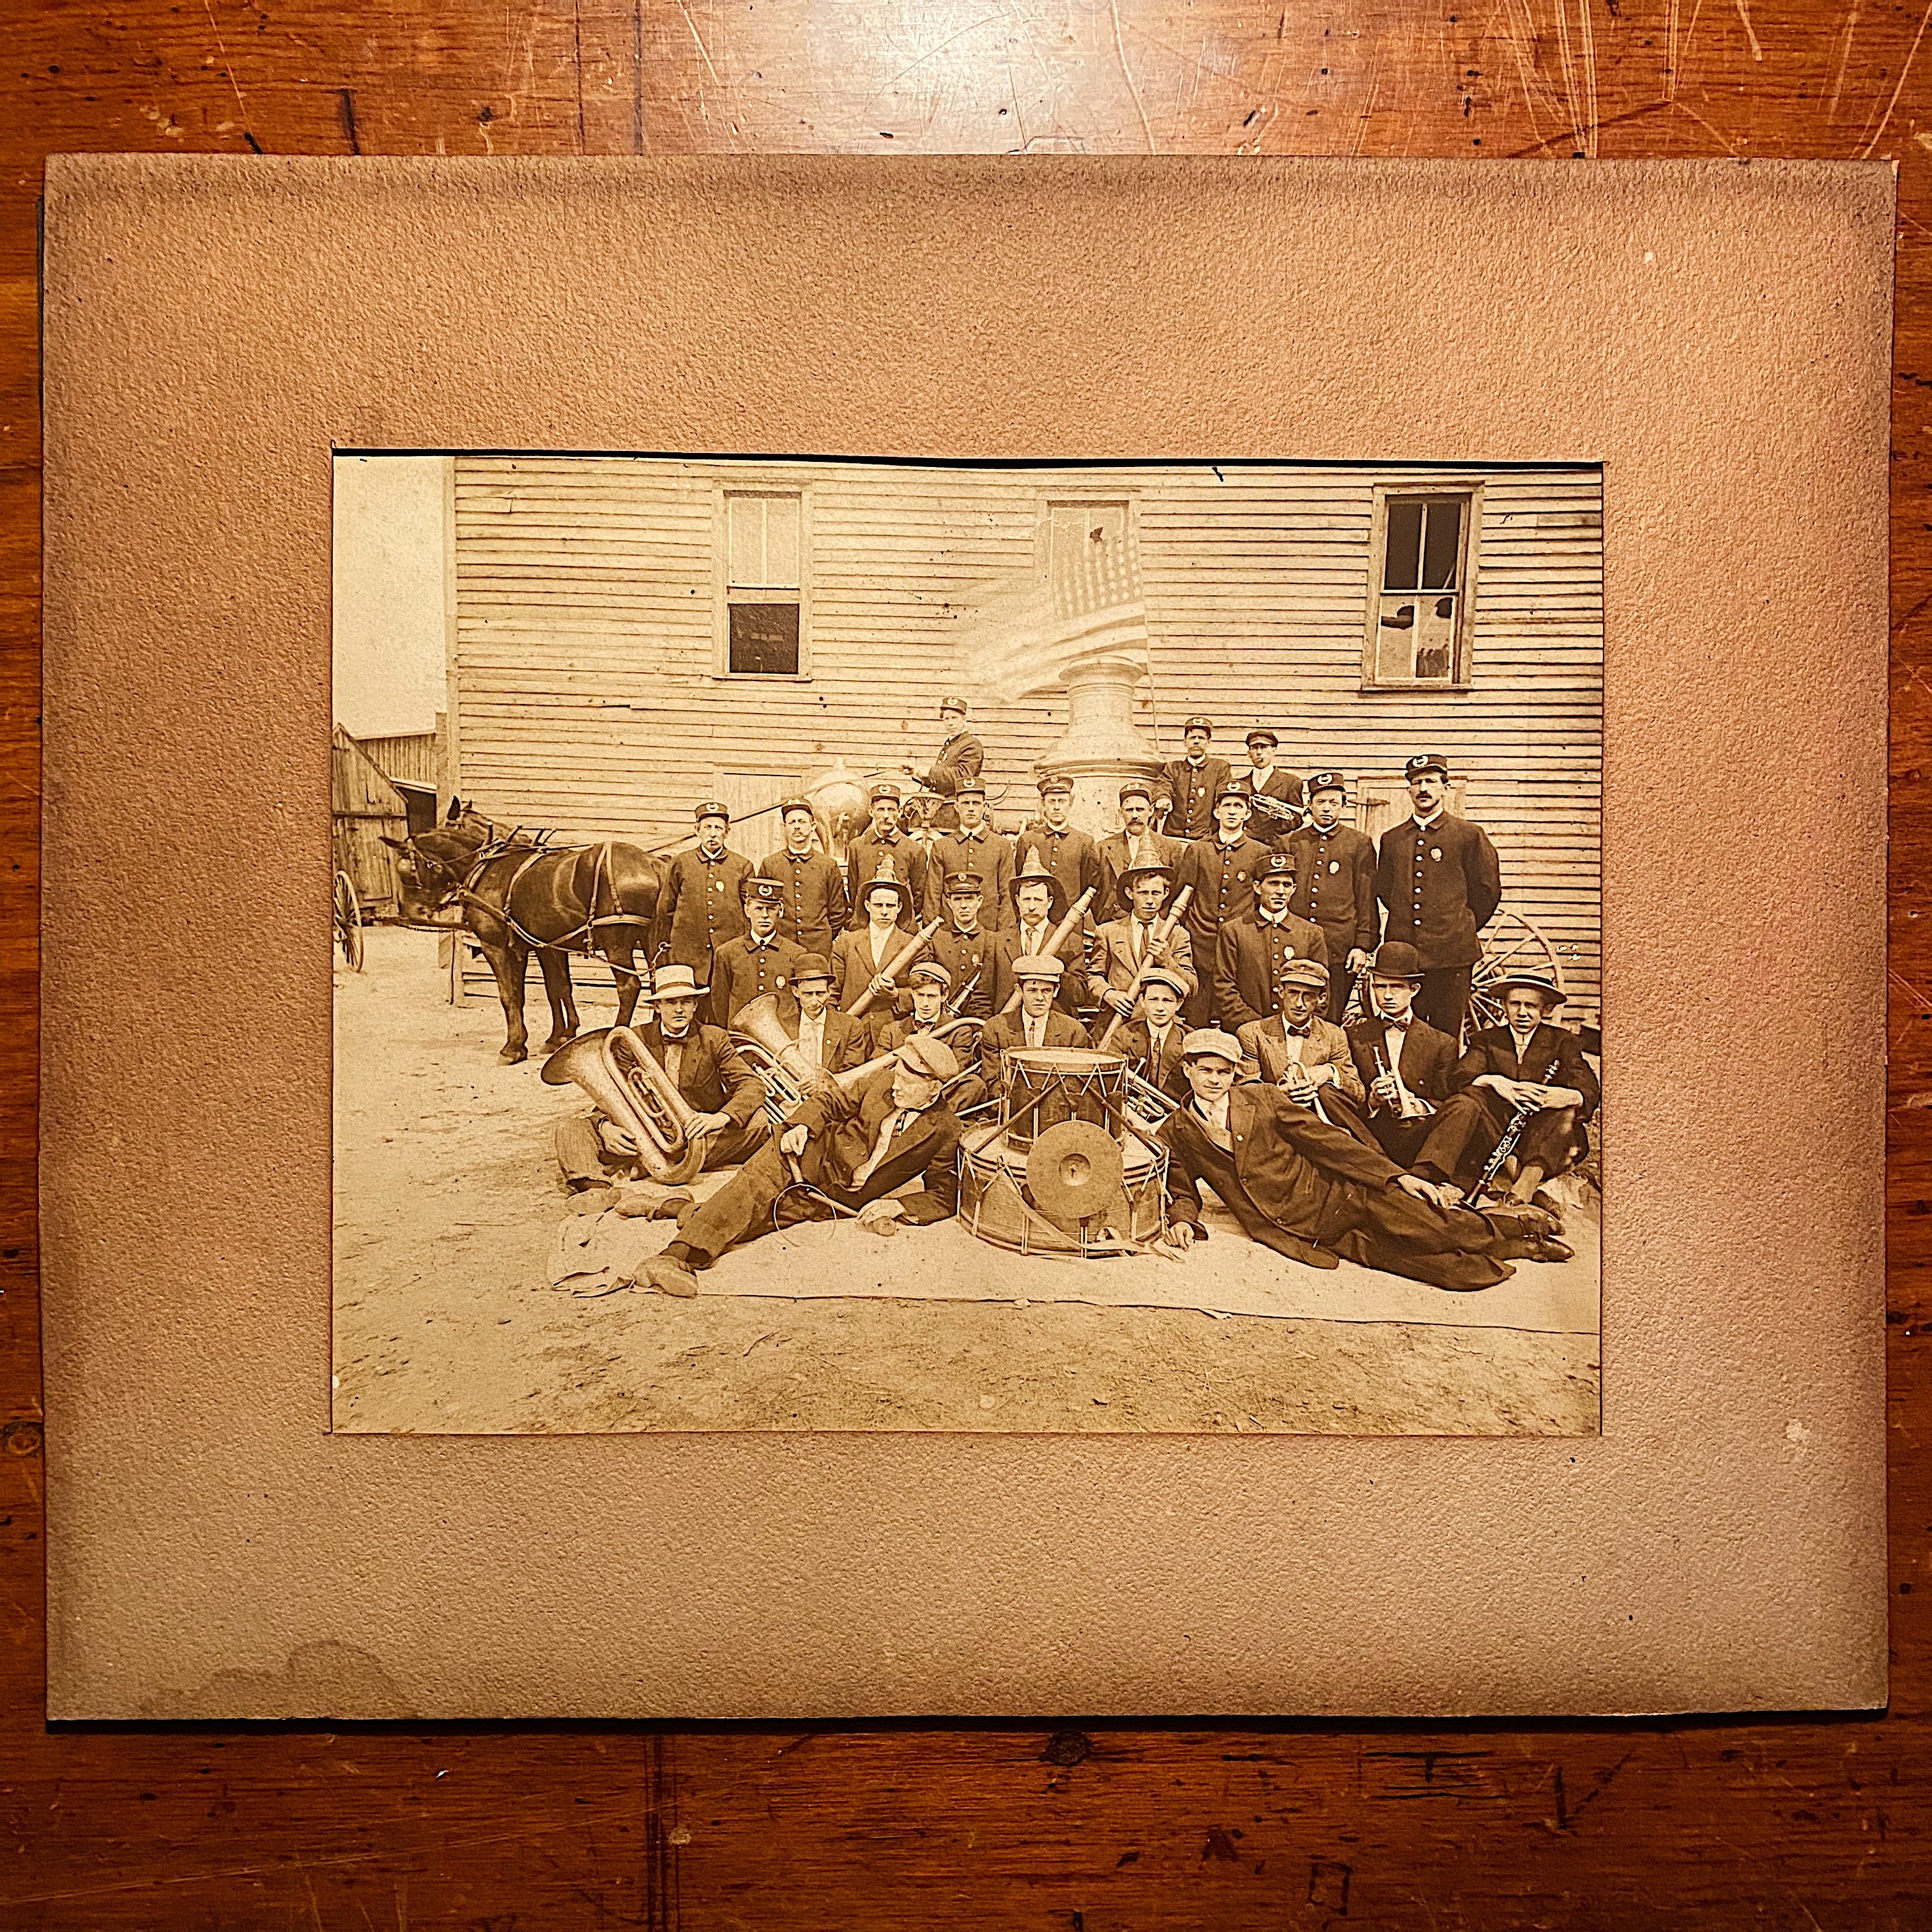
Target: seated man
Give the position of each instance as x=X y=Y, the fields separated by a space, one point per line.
x=1317 y=1194
x=1152 y=1040
x=1525 y=1065
x=704 y=1067
x=1407 y=1067
x=824 y=1042
x=1305 y=1055
x=931 y=985
x=1128 y=943
x=1037 y=1023
x=855 y=1152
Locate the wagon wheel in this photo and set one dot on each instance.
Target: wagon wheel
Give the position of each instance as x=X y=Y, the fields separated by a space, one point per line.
x=1510 y=944
x=349 y=922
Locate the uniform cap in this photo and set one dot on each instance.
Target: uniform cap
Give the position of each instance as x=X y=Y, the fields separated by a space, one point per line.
x=1137 y=788
x=768 y=892
x=879 y=791
x=811 y=966
x=712 y=808
x=958 y=704
x=932 y=1059
x=787 y=806
x=964 y=882
x=1534 y=976
x=1261 y=735
x=1426 y=761
x=971 y=788
x=1309 y=973
x=676 y=982
x=1232 y=790
x=1054 y=781
x=1206 y=1040
x=1276 y=866
x=1044 y=967
x=1395 y=960
x=1327 y=781
x=931 y=971
x=1166 y=976
x=1198 y=725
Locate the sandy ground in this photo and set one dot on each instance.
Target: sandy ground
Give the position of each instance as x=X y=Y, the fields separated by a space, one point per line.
x=448 y=1207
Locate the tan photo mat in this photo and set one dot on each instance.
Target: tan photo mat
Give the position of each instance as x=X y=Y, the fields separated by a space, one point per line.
x=1717 y=335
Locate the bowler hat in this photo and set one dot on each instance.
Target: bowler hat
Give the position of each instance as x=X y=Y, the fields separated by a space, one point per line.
x=811 y=966
x=1395 y=959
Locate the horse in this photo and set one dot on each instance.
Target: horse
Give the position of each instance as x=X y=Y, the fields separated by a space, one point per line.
x=519 y=897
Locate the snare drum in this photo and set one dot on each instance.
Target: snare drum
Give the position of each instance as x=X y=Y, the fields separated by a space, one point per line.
x=1047 y=1084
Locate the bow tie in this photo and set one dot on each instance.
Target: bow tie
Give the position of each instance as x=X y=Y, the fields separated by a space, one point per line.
x=1401 y=1025
x=1297 y=1033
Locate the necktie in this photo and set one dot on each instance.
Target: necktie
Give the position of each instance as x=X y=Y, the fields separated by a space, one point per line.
x=1140 y=941
x=879 y=1147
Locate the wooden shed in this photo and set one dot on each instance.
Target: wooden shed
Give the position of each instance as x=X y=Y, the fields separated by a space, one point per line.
x=367 y=808
x=412 y=762
x=635 y=633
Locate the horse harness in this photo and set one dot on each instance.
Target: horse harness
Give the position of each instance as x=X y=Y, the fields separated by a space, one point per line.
x=498 y=847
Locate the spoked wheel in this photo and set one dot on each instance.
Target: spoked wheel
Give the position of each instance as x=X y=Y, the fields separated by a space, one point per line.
x=1510 y=944
x=349 y=922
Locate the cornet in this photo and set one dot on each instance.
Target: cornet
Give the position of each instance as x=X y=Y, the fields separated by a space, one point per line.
x=640 y=1099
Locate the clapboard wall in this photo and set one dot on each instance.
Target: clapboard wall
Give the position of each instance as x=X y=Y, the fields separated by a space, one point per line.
x=587 y=698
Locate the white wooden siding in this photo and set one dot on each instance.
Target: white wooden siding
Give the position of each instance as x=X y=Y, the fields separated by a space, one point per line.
x=588 y=698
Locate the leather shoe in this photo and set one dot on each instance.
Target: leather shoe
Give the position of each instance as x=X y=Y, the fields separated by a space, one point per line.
x=667 y=1278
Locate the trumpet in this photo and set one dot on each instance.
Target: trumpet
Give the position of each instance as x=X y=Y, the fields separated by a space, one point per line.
x=639 y=1099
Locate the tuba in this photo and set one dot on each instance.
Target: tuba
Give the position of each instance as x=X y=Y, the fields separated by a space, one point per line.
x=637 y=1096
x=759 y=1034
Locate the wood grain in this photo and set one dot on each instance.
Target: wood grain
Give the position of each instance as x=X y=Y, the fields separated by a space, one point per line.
x=1815 y=1823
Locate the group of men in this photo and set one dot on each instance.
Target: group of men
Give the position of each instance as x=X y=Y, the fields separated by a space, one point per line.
x=1363 y=1142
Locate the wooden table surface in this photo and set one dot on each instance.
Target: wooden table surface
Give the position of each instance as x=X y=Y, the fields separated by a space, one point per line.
x=1812 y=1823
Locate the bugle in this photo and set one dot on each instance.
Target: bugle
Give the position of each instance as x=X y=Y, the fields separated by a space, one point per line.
x=1163 y=931
x=640 y=1099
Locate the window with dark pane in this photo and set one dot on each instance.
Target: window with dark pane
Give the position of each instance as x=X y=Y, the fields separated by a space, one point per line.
x=1418 y=625
x=764 y=640
x=763 y=548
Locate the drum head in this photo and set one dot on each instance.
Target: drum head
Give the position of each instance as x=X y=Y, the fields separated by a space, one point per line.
x=1073 y=1171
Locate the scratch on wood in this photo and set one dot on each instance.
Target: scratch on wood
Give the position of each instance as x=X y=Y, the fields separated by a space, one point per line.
x=576 y=52
x=637 y=77
x=702 y=54
x=228 y=68
x=346 y=96
x=1750 y=32
x=1844 y=55
x=1878 y=133
x=1120 y=54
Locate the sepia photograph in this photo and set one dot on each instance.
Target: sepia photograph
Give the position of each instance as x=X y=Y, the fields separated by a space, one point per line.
x=1097 y=948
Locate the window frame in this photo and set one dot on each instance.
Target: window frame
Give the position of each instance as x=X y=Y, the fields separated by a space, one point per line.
x=1462 y=674
x=721 y=672
x=1126 y=500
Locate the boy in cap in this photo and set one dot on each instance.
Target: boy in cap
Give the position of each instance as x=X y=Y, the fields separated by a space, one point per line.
x=1185 y=793
x=973 y=846
x=1137 y=843
x=1276 y=791
x=962 y=759
x=882 y=847
x=931 y=987
x=702 y=906
x=1438 y=878
x=758 y=962
x=860 y=957
x=1406 y=1065
x=813 y=906
x=1129 y=942
x=1335 y=884
x=1037 y=1023
x=1152 y=1040
x=1251 y=952
x=1525 y=1064
x=1223 y=871
x=1306 y=1057
x=704 y=1065
x=981 y=963
x=1318 y=1195
x=856 y=1151
x=1061 y=846
x=1040 y=903
x=826 y=1041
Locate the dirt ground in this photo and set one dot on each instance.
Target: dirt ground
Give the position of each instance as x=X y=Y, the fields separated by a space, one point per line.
x=448 y=1203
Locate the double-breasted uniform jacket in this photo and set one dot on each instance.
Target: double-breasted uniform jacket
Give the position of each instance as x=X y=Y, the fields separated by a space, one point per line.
x=1425 y=1057
x=988 y=954
x=962 y=758
x=701 y=908
x=1072 y=992
x=1161 y=1069
x=1265 y=1046
x=1116 y=943
x=1118 y=851
x=1282 y=787
x=984 y=851
x=1071 y=856
x=842 y=1131
x=1223 y=878
x=1440 y=886
x=1335 y=887
x=854 y=965
x=1005 y=1032
x=815 y=905
x=744 y=971
x=1189 y=791
x=906 y=858
x=1554 y=1057
x=848 y=1041
x=712 y=1074
x=1249 y=956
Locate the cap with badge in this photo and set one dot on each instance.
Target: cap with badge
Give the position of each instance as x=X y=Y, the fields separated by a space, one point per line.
x=971 y=788
x=1137 y=788
x=1426 y=761
x=712 y=808
x=958 y=704
x=787 y=806
x=1235 y=790
x=765 y=891
x=889 y=793
x=1276 y=866
x=1206 y=724
x=957 y=883
x=1327 y=781
x=1055 y=781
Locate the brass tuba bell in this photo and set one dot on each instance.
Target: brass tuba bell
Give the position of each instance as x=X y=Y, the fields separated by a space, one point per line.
x=641 y=1100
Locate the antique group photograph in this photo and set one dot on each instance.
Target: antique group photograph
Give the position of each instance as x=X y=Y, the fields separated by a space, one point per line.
x=1080 y=948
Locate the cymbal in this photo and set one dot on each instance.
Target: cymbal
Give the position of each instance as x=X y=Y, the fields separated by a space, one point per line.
x=1073 y=1173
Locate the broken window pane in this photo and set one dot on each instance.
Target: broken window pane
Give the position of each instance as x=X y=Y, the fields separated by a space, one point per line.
x=1404 y=545
x=1395 y=641
x=1441 y=544
x=764 y=640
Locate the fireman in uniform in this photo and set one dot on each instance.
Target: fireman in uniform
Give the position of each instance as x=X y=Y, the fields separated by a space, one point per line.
x=962 y=759
x=1253 y=949
x=1335 y=885
x=1438 y=879
x=756 y=962
x=1069 y=854
x=1222 y=870
x=882 y=843
x=1185 y=793
x=970 y=952
x=972 y=846
x=813 y=900
x=702 y=906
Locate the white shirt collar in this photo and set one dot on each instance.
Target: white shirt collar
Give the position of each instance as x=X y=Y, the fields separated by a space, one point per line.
x=1429 y=824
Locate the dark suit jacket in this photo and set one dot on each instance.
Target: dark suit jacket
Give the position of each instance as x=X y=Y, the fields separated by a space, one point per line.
x=846 y=1040
x=1191 y=795
x=961 y=757
x=1134 y=1041
x=1007 y=1031
x=1072 y=857
x=742 y=972
x=1555 y=1059
x=1427 y=1063
x=1073 y=992
x=712 y=1074
x=1223 y=878
x=1335 y=885
x=1297 y=1171
x=1283 y=789
x=907 y=857
x=989 y=854
x=989 y=954
x=1440 y=887
x=843 y=1131
x=1247 y=957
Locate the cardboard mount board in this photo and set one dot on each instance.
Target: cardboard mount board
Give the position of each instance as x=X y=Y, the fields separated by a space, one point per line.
x=1715 y=334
